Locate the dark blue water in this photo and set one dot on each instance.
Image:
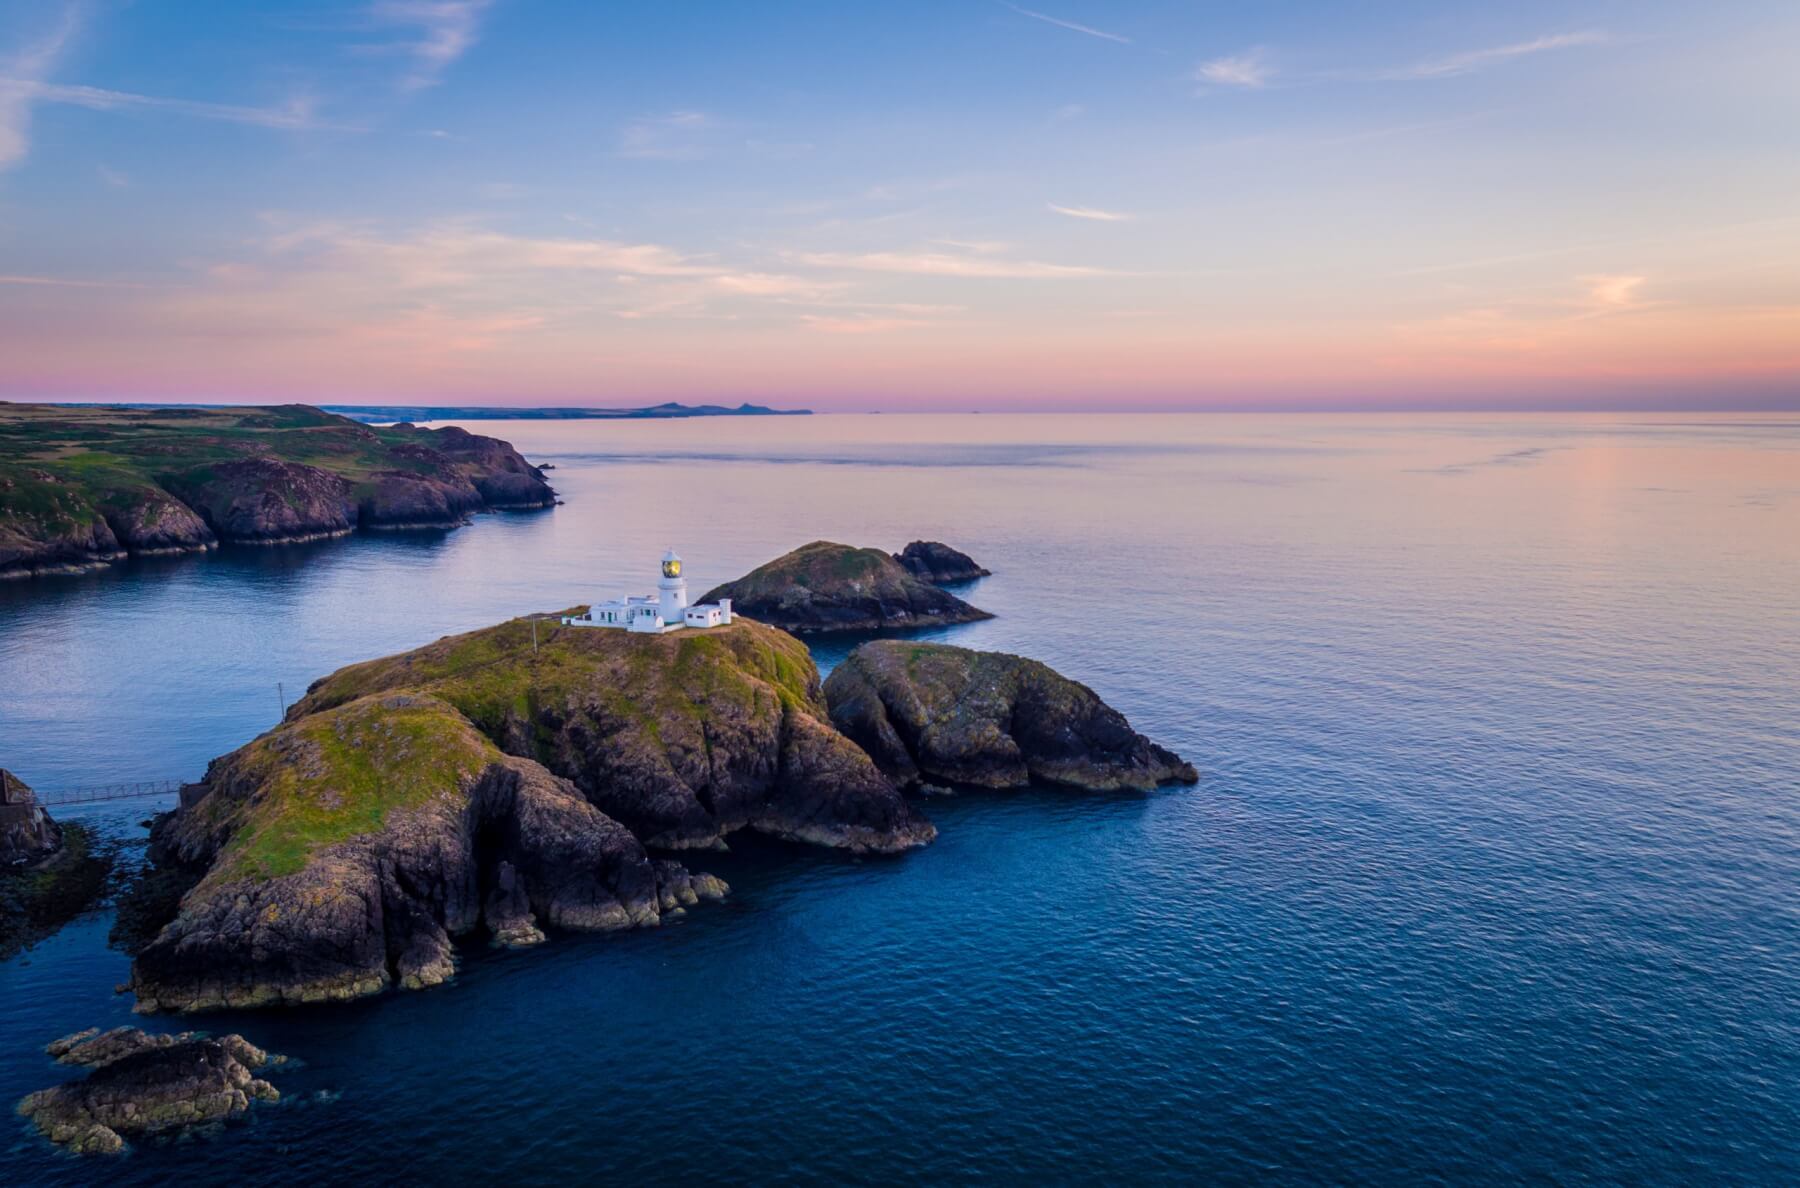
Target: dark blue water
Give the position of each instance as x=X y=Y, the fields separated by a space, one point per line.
x=1491 y=877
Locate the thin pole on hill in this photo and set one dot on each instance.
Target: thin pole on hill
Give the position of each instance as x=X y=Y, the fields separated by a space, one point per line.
x=281 y=699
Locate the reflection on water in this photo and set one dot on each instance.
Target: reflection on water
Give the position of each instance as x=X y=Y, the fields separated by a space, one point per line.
x=1491 y=875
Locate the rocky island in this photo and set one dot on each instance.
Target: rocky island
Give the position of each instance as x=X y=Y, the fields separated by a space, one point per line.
x=933 y=712
x=524 y=778
x=825 y=586
x=82 y=486
x=147 y=1086
x=480 y=784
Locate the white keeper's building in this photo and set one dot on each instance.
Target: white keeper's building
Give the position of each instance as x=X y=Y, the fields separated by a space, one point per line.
x=666 y=610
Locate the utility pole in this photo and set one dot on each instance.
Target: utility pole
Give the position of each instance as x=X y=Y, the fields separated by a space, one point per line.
x=534 y=637
x=281 y=696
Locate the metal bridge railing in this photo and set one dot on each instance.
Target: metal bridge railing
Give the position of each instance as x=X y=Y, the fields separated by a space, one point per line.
x=96 y=792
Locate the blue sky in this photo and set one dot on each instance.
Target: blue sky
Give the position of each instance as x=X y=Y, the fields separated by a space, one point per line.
x=902 y=205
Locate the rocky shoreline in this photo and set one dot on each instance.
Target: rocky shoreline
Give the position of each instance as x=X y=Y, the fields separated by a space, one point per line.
x=49 y=872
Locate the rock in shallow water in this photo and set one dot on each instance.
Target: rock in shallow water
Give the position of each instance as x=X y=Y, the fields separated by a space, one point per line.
x=147 y=1086
x=935 y=561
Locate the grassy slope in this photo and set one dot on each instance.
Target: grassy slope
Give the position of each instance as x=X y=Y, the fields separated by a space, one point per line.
x=105 y=456
x=338 y=774
x=491 y=673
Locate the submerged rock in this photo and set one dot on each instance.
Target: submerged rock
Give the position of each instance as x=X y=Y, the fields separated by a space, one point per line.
x=937 y=562
x=147 y=1086
x=932 y=712
x=825 y=586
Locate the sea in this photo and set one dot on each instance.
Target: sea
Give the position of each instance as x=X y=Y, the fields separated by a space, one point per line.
x=1492 y=875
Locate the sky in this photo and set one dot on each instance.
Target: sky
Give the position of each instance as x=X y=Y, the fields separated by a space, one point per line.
x=929 y=205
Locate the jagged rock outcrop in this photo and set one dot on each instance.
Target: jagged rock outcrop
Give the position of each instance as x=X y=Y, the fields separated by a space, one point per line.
x=347 y=849
x=49 y=873
x=27 y=834
x=932 y=712
x=938 y=563
x=147 y=1086
x=184 y=480
x=825 y=586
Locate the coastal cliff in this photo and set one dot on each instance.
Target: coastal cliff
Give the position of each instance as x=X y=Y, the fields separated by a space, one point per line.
x=825 y=586
x=84 y=486
x=933 y=712
x=484 y=784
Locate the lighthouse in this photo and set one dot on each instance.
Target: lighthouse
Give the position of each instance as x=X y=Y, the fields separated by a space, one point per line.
x=671 y=591
x=666 y=610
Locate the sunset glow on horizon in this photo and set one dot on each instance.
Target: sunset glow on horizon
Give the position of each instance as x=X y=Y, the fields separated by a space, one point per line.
x=932 y=206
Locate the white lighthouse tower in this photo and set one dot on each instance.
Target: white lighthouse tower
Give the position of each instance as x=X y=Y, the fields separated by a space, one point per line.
x=666 y=610
x=671 y=591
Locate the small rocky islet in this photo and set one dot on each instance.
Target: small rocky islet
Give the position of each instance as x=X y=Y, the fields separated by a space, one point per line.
x=144 y=1086
x=826 y=586
x=83 y=487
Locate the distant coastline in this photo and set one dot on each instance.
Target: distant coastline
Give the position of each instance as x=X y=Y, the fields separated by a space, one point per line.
x=384 y=413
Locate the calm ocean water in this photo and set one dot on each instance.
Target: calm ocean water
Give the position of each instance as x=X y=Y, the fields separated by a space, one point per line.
x=1492 y=875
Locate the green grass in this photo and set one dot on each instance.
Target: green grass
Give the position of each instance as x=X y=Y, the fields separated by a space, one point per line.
x=338 y=775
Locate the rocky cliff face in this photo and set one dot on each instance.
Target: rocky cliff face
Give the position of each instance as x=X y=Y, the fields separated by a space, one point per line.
x=184 y=480
x=934 y=561
x=479 y=786
x=931 y=712
x=345 y=850
x=147 y=1086
x=825 y=586
x=27 y=834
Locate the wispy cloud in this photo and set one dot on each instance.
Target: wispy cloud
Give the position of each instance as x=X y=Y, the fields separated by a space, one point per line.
x=1608 y=295
x=61 y=282
x=1473 y=60
x=1248 y=70
x=945 y=264
x=1090 y=212
x=672 y=137
x=20 y=76
x=442 y=32
x=858 y=323
x=297 y=113
x=1069 y=25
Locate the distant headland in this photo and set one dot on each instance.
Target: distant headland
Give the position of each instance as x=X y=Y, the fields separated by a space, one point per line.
x=83 y=486
x=385 y=413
